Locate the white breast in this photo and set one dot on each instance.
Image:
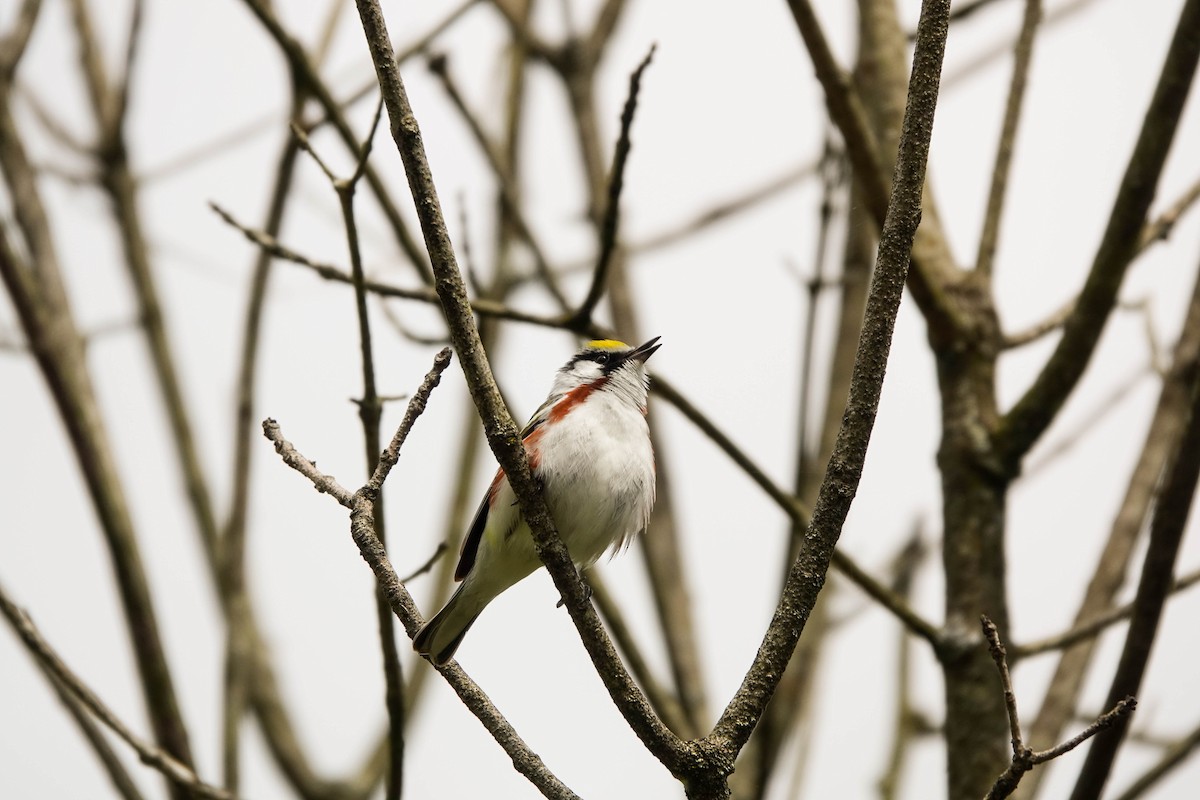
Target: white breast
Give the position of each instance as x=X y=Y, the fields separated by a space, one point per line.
x=597 y=469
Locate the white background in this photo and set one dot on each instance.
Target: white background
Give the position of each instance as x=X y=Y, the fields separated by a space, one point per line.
x=728 y=104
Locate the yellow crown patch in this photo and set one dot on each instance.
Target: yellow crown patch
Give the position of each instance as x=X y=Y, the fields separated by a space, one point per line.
x=606 y=344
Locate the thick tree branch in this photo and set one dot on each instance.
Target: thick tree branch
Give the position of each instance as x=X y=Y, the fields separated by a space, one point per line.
x=927 y=280
x=1165 y=429
x=502 y=433
x=845 y=466
x=1166 y=533
x=1034 y=412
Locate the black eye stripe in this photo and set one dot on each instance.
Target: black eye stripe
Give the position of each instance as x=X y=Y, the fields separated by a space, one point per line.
x=600 y=357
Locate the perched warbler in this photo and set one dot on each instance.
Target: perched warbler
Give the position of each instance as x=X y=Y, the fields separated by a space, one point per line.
x=589 y=448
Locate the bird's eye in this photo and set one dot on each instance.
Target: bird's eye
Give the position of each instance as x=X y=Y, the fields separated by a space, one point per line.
x=602 y=358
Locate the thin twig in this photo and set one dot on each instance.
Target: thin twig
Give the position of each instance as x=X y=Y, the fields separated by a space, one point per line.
x=1159 y=229
x=1024 y=759
x=174 y=770
x=270 y=245
x=307 y=76
x=1022 y=58
x=1175 y=754
x=1036 y=331
x=1000 y=656
x=121 y=780
x=746 y=200
x=506 y=182
x=1088 y=423
x=438 y=552
x=361 y=505
x=269 y=122
x=616 y=181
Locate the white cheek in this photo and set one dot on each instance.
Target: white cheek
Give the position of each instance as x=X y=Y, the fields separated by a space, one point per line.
x=587 y=371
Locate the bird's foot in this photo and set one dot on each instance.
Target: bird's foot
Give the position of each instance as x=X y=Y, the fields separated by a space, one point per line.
x=587 y=592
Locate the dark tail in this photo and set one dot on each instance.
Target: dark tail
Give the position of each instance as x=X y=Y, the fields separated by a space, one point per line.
x=441 y=636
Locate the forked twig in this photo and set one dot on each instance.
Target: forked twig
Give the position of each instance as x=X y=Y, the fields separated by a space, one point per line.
x=1023 y=758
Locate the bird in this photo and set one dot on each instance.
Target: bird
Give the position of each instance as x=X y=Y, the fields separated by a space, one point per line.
x=589 y=448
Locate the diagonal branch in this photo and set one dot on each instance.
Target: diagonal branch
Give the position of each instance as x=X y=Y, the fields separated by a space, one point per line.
x=361 y=505
x=1109 y=575
x=1159 y=229
x=179 y=773
x=1095 y=625
x=1034 y=412
x=501 y=431
x=927 y=280
x=1166 y=533
x=616 y=181
x=12 y=46
x=1008 y=133
x=800 y=515
x=807 y=576
x=305 y=74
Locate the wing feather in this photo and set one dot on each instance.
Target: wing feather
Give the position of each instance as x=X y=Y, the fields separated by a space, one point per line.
x=470 y=545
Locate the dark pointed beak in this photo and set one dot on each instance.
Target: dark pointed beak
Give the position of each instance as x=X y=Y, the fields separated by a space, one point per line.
x=643 y=352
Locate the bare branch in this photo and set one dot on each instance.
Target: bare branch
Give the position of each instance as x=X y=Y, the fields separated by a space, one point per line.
x=1041 y=328
x=927 y=279
x=845 y=466
x=1165 y=429
x=744 y=201
x=438 y=552
x=307 y=77
x=616 y=180
x=1166 y=533
x=361 y=505
x=1000 y=656
x=117 y=774
x=665 y=705
x=1023 y=57
x=501 y=431
x=1022 y=426
x=12 y=45
x=1174 y=756
x=174 y=770
x=270 y=245
x=1024 y=759
x=506 y=182
x=799 y=514
x=1159 y=229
